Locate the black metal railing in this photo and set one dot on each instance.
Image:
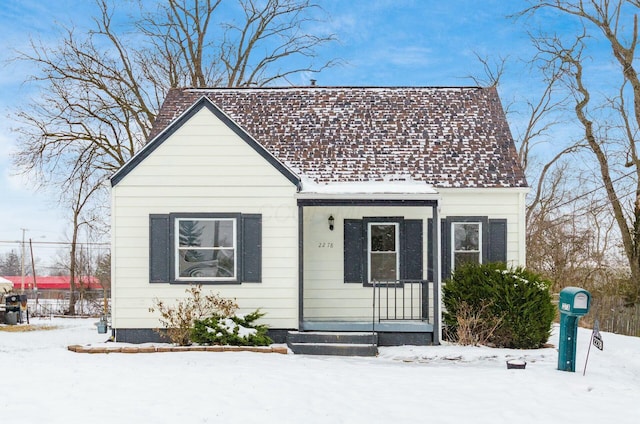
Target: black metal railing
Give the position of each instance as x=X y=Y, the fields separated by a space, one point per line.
x=400 y=300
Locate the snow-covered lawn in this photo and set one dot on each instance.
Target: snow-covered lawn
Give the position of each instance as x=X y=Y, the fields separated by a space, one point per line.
x=44 y=383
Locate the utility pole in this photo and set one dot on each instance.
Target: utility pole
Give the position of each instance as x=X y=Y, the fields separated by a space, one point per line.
x=24 y=230
x=33 y=270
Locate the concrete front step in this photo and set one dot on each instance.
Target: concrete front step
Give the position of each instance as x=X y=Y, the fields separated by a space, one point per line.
x=332 y=343
x=333 y=349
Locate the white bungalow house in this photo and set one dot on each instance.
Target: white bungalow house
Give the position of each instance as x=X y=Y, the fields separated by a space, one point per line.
x=329 y=208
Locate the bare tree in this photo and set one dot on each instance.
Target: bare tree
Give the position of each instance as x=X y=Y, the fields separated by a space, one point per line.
x=492 y=71
x=79 y=191
x=277 y=28
x=101 y=89
x=539 y=111
x=181 y=50
x=568 y=232
x=612 y=146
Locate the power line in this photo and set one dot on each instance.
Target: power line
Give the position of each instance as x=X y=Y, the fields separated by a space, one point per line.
x=594 y=190
x=66 y=243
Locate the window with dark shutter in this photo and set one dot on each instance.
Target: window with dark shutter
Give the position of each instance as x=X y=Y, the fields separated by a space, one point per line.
x=205 y=248
x=472 y=238
x=383 y=249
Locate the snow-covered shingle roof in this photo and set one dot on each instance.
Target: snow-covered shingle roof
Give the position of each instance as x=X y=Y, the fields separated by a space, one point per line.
x=444 y=137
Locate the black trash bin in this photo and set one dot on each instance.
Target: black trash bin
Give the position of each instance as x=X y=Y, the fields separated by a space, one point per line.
x=12 y=309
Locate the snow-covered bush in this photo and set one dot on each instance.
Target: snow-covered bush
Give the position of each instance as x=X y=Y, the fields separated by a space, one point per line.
x=178 y=320
x=507 y=307
x=238 y=330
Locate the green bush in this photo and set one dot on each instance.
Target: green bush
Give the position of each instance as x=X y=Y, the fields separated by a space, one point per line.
x=178 y=319
x=510 y=307
x=235 y=330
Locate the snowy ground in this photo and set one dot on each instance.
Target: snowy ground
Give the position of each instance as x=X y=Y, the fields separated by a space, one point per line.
x=43 y=382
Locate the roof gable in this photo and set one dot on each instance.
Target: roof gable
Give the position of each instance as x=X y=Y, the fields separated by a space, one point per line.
x=444 y=137
x=162 y=136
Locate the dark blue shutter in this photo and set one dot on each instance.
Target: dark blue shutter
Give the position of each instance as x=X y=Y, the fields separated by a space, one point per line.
x=430 y=257
x=411 y=256
x=445 y=237
x=159 y=249
x=354 y=251
x=251 y=248
x=497 y=251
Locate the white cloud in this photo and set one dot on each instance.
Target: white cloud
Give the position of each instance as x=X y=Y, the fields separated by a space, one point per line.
x=406 y=56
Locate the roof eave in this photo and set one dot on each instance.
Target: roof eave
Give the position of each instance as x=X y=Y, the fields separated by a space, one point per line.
x=367 y=196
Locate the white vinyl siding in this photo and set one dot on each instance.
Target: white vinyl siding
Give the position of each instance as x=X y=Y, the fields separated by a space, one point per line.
x=326 y=296
x=494 y=203
x=204 y=167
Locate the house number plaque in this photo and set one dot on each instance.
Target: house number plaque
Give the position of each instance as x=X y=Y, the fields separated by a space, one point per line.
x=325 y=245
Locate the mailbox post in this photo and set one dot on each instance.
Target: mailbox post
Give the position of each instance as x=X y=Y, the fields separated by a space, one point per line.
x=574 y=302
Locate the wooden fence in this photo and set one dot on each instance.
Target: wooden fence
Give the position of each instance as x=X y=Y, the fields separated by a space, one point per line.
x=614 y=315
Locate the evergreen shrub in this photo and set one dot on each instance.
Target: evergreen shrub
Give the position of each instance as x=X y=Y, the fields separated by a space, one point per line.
x=237 y=330
x=498 y=306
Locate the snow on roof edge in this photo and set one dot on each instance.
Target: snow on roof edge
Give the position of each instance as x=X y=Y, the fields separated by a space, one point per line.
x=367 y=187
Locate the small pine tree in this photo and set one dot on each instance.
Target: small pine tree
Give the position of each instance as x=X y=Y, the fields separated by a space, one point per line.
x=10 y=264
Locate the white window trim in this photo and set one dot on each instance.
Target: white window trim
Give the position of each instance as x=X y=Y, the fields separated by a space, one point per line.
x=176 y=249
x=453 y=241
x=397 y=243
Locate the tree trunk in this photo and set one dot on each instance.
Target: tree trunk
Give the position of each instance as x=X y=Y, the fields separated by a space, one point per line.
x=72 y=267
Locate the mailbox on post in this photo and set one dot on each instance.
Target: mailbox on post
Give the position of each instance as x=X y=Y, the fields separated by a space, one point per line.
x=574 y=302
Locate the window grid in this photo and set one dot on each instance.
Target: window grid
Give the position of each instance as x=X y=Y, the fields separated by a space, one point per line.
x=379 y=255
x=220 y=265
x=466 y=240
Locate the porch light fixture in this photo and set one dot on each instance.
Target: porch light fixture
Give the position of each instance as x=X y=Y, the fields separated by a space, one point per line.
x=331 y=221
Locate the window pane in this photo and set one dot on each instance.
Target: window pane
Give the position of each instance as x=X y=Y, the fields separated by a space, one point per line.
x=467 y=236
x=383 y=266
x=466 y=257
x=383 y=238
x=226 y=265
x=190 y=233
x=206 y=263
x=197 y=256
x=206 y=233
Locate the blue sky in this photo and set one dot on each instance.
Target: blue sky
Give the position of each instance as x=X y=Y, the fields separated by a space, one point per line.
x=381 y=43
